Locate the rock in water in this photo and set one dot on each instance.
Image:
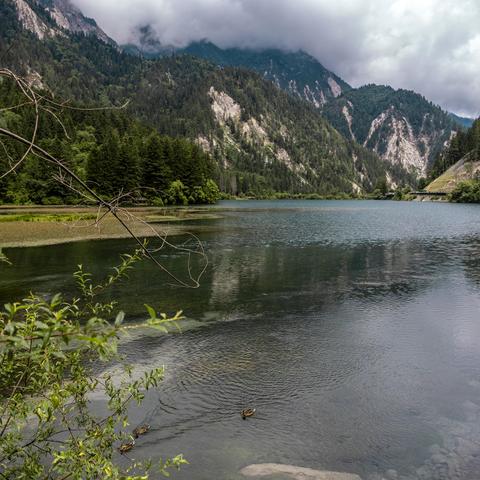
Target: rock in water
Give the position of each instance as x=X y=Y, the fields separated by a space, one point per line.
x=297 y=473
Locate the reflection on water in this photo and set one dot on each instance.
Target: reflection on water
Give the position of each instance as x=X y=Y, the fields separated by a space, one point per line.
x=352 y=327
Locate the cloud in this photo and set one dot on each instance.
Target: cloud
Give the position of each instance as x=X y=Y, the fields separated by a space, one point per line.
x=430 y=46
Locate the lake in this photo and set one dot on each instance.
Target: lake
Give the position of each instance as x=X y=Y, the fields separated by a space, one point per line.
x=353 y=327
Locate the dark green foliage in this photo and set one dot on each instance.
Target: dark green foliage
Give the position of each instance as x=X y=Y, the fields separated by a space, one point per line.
x=116 y=155
x=382 y=186
x=422 y=183
x=466 y=192
x=156 y=173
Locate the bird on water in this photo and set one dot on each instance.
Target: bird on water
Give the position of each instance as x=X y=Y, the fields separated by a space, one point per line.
x=248 y=412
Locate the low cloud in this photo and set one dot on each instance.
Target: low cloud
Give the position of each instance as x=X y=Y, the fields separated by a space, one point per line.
x=430 y=46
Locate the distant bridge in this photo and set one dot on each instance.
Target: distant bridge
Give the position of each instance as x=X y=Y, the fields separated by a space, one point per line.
x=430 y=194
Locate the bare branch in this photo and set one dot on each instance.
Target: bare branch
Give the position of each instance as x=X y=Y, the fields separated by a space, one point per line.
x=67 y=177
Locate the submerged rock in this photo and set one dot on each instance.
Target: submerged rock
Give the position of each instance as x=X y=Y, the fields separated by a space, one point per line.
x=297 y=473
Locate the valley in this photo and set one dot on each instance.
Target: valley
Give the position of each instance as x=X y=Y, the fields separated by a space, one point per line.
x=239 y=240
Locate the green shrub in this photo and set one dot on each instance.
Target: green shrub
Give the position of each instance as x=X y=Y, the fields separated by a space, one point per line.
x=466 y=192
x=177 y=193
x=48 y=348
x=157 y=202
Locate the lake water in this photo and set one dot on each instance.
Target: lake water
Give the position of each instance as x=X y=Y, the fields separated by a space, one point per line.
x=352 y=326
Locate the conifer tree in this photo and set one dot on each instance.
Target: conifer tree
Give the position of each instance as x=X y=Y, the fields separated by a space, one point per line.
x=156 y=173
x=102 y=165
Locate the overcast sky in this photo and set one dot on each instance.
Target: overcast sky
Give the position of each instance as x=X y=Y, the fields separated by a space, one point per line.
x=430 y=46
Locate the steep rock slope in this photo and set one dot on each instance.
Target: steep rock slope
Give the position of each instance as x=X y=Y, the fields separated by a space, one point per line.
x=401 y=126
x=69 y=17
x=48 y=18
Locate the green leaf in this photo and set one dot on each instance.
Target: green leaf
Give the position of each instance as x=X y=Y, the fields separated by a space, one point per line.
x=119 y=319
x=41 y=325
x=151 y=312
x=56 y=300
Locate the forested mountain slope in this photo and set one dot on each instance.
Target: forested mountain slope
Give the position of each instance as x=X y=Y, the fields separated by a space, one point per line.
x=261 y=138
x=399 y=125
x=462 y=121
x=251 y=127
x=459 y=162
x=296 y=72
x=402 y=127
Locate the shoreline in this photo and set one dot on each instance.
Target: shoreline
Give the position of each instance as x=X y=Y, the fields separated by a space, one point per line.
x=37 y=232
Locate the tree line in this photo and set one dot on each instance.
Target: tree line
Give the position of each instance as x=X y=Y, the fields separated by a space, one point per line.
x=114 y=154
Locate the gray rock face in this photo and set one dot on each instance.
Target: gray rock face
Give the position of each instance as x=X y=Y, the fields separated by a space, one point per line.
x=64 y=15
x=69 y=17
x=296 y=473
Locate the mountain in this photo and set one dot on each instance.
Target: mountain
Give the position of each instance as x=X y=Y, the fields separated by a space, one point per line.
x=462 y=121
x=460 y=154
x=402 y=127
x=298 y=73
x=70 y=18
x=295 y=72
x=261 y=138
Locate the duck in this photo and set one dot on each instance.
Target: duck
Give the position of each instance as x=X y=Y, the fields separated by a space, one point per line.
x=141 y=430
x=126 y=447
x=248 y=412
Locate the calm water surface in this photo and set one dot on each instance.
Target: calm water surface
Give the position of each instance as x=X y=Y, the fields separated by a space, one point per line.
x=353 y=328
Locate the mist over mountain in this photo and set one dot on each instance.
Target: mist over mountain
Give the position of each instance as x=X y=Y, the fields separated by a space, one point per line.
x=401 y=126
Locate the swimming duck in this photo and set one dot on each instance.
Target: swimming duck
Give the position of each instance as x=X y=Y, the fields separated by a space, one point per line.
x=248 y=412
x=141 y=430
x=126 y=447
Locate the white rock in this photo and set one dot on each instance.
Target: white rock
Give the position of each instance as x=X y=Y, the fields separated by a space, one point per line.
x=224 y=107
x=334 y=87
x=30 y=20
x=348 y=118
x=297 y=473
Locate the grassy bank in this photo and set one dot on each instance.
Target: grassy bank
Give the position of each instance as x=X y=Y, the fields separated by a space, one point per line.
x=35 y=217
x=34 y=226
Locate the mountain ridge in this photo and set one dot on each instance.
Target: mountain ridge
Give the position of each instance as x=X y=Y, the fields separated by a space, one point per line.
x=297 y=72
x=401 y=126
x=393 y=133
x=261 y=138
